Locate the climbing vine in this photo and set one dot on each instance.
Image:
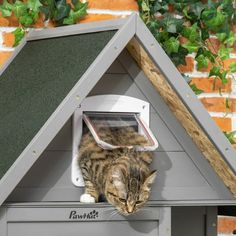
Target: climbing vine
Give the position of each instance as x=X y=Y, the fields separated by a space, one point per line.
x=185 y=27
x=28 y=12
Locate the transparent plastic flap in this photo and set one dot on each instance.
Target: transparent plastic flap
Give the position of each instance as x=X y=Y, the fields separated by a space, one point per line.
x=113 y=130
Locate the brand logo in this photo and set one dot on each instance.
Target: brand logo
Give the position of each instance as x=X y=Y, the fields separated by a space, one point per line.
x=74 y=215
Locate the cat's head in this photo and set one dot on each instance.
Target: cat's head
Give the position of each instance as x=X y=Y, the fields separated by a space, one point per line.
x=128 y=190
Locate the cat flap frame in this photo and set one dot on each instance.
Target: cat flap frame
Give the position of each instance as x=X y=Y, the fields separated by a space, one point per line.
x=153 y=61
x=108 y=104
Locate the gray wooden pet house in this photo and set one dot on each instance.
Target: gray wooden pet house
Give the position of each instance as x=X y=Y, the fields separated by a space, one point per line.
x=50 y=77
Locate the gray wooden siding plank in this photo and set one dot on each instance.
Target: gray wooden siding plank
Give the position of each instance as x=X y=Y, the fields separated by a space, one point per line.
x=174 y=126
x=116 y=68
x=61 y=213
x=165 y=138
x=54 y=182
x=133 y=228
x=63 y=140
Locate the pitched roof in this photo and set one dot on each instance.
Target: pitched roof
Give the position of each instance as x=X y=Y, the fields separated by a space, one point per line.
x=54 y=70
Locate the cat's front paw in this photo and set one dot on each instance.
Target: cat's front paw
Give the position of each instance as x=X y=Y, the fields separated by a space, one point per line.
x=87 y=198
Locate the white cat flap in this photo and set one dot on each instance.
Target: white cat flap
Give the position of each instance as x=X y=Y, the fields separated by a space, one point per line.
x=108 y=116
x=108 y=128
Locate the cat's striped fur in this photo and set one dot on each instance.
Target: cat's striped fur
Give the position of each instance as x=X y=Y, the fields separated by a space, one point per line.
x=122 y=175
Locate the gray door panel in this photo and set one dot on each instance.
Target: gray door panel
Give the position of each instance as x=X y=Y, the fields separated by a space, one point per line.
x=124 y=228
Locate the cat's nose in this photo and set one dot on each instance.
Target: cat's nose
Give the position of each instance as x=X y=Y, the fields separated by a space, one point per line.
x=130 y=209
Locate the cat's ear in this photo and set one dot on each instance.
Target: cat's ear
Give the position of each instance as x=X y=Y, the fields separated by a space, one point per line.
x=150 y=179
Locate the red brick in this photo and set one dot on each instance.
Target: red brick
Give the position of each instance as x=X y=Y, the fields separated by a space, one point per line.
x=226 y=225
x=228 y=62
x=219 y=104
x=8 y=39
x=4 y=56
x=223 y=123
x=3 y=21
x=188 y=67
x=208 y=84
x=13 y=21
x=213 y=44
x=114 y=4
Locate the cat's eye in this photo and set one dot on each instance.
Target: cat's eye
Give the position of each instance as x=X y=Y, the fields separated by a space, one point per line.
x=112 y=194
x=139 y=202
x=122 y=200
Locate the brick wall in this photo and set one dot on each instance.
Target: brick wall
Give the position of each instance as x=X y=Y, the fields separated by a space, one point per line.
x=215 y=102
x=111 y=9
x=226 y=226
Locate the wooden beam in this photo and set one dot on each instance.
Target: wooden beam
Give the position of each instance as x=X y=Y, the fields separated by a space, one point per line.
x=182 y=114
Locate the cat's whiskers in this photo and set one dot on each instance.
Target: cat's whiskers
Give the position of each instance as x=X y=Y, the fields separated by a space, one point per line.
x=113 y=214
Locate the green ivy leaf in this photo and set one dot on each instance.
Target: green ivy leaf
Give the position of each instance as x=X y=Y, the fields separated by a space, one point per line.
x=62 y=10
x=223 y=77
x=221 y=36
x=172 y=24
x=19 y=34
x=19 y=8
x=195 y=89
x=224 y=53
x=204 y=34
x=179 y=57
x=145 y=7
x=202 y=62
x=191 y=33
x=232 y=67
x=34 y=5
x=214 y=18
x=81 y=10
x=215 y=71
x=26 y=20
x=230 y=40
x=48 y=8
x=230 y=136
x=155 y=7
x=191 y=47
x=171 y=45
x=6 y=8
x=197 y=8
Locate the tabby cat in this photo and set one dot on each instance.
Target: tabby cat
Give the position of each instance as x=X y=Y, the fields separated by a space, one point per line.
x=121 y=175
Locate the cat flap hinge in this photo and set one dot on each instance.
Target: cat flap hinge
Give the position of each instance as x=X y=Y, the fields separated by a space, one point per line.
x=112 y=130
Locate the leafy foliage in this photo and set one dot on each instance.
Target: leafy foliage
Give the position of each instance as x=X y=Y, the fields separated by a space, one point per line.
x=19 y=35
x=59 y=11
x=193 y=21
x=28 y=12
x=230 y=136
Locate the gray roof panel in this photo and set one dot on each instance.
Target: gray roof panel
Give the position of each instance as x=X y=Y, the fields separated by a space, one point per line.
x=36 y=82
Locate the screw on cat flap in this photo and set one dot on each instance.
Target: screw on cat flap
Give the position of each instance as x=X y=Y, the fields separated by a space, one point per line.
x=187 y=178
